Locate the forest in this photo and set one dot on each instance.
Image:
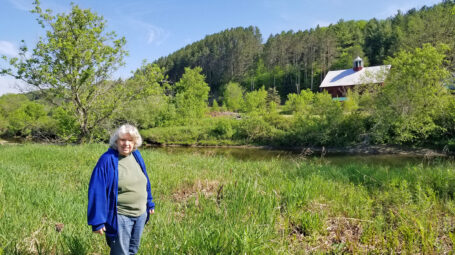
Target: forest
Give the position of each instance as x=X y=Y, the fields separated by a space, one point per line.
x=235 y=88
x=296 y=60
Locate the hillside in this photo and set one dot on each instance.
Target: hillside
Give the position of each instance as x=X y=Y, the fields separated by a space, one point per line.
x=295 y=60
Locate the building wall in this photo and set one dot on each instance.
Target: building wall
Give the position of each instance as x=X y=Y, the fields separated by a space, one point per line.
x=338 y=91
x=341 y=91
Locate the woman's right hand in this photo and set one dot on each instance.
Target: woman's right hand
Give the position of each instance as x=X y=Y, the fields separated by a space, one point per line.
x=100 y=231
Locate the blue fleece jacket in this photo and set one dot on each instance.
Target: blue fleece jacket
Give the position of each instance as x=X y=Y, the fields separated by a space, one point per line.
x=103 y=191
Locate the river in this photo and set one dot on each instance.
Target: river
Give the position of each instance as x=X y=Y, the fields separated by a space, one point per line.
x=248 y=154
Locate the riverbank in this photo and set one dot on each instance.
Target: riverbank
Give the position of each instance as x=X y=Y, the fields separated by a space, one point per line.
x=322 y=150
x=309 y=150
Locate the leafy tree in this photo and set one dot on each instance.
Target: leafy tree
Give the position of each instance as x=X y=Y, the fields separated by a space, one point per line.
x=67 y=127
x=352 y=101
x=72 y=64
x=3 y=124
x=151 y=109
x=30 y=119
x=9 y=103
x=191 y=94
x=299 y=103
x=255 y=101
x=432 y=25
x=318 y=125
x=233 y=96
x=413 y=96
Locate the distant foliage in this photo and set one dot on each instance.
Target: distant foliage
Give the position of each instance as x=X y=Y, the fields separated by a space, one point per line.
x=255 y=101
x=24 y=118
x=150 y=108
x=191 y=94
x=299 y=103
x=224 y=57
x=268 y=92
x=67 y=128
x=294 y=60
x=233 y=96
x=273 y=96
x=215 y=106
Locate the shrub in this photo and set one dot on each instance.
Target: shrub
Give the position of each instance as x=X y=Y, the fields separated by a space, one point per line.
x=67 y=127
x=233 y=96
x=29 y=118
x=223 y=129
x=254 y=129
x=299 y=103
x=255 y=101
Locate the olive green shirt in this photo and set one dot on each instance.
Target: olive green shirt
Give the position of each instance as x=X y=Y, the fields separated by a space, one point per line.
x=132 y=187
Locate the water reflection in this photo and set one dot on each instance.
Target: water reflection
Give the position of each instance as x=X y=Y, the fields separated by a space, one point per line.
x=254 y=154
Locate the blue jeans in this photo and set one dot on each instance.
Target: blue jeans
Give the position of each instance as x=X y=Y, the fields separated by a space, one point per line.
x=128 y=235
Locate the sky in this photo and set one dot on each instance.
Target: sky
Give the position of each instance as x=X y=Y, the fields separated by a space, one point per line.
x=157 y=28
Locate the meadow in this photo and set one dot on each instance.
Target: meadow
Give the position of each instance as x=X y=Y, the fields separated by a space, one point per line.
x=211 y=204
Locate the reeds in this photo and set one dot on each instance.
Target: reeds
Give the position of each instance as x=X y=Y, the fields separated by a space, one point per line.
x=210 y=204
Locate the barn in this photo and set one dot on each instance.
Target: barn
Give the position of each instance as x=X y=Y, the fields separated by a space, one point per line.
x=338 y=82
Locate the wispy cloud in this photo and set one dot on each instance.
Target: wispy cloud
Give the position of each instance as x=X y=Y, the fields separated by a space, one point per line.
x=154 y=34
x=8 y=49
x=134 y=13
x=23 y=5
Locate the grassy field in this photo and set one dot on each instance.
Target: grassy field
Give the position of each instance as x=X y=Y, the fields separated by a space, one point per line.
x=208 y=204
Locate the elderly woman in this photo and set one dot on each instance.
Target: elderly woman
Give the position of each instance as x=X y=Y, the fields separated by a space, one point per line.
x=119 y=196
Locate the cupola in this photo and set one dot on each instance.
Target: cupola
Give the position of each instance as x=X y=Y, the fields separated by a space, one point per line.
x=358 y=64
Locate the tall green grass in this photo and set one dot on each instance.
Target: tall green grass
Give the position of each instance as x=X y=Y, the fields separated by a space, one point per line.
x=208 y=204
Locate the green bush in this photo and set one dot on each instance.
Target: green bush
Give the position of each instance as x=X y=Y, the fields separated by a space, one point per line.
x=318 y=126
x=149 y=112
x=255 y=101
x=233 y=96
x=223 y=129
x=28 y=120
x=67 y=127
x=3 y=124
x=299 y=103
x=191 y=96
x=254 y=129
x=349 y=130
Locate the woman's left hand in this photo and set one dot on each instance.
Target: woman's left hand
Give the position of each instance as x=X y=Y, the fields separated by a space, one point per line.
x=152 y=211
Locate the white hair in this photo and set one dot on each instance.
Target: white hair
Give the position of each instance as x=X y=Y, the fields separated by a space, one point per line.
x=123 y=130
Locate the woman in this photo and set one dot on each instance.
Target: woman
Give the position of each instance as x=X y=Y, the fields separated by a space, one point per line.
x=119 y=195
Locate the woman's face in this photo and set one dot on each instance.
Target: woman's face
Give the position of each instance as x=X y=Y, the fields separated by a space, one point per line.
x=125 y=144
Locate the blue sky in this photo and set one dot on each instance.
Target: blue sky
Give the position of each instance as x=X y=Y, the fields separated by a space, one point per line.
x=156 y=28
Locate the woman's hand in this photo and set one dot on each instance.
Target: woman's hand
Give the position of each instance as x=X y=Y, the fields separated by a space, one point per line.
x=152 y=211
x=100 y=231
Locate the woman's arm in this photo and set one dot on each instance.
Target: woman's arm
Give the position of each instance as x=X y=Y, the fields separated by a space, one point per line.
x=97 y=197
